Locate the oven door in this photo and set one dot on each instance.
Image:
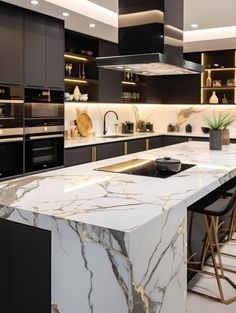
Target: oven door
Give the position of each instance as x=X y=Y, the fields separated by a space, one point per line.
x=11 y=156
x=44 y=151
x=11 y=113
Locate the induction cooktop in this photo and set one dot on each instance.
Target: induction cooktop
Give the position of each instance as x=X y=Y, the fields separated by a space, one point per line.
x=141 y=167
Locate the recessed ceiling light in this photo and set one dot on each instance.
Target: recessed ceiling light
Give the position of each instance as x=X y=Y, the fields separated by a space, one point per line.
x=119 y=67
x=216 y=65
x=194 y=25
x=92 y=25
x=65 y=14
x=34 y=2
x=128 y=69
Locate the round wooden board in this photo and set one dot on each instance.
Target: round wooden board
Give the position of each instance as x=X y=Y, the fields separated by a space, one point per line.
x=84 y=124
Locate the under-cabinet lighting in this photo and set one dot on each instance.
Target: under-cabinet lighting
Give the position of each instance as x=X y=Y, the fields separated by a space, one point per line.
x=128 y=83
x=92 y=25
x=194 y=25
x=66 y=14
x=34 y=2
x=71 y=80
x=74 y=57
x=221 y=69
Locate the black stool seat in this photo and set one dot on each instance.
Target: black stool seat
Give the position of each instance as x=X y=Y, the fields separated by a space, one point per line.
x=216 y=203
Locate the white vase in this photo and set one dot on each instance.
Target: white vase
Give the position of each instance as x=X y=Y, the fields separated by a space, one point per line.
x=76 y=93
x=214 y=99
x=209 y=80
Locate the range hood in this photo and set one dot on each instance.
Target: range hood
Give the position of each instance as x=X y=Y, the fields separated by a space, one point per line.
x=150 y=39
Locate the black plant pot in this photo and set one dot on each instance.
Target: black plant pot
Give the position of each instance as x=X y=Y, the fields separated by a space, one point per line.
x=215 y=139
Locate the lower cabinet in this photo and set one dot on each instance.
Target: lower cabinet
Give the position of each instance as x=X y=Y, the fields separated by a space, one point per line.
x=78 y=155
x=25 y=284
x=136 y=145
x=172 y=140
x=109 y=150
x=200 y=139
x=156 y=142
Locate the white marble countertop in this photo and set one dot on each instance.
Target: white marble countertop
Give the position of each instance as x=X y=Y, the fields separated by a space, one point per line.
x=87 y=141
x=119 y=201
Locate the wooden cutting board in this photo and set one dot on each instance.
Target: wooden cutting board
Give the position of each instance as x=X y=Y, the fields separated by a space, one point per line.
x=84 y=124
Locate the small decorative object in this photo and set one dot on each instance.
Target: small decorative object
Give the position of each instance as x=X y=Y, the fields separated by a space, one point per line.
x=170 y=128
x=216 y=83
x=83 y=72
x=80 y=76
x=229 y=119
x=214 y=99
x=230 y=82
x=209 y=80
x=205 y=130
x=225 y=100
x=188 y=128
x=89 y=53
x=71 y=97
x=83 y=97
x=67 y=96
x=76 y=93
x=83 y=51
x=177 y=128
x=216 y=124
x=68 y=68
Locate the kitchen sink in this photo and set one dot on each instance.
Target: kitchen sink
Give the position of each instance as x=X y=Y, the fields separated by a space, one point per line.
x=113 y=136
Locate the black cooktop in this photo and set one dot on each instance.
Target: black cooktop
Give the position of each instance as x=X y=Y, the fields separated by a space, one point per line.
x=141 y=167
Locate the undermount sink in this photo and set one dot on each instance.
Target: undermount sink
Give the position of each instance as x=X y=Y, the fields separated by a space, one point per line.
x=112 y=136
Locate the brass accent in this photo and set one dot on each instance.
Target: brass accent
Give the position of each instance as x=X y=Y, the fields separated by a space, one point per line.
x=124 y=166
x=212 y=243
x=94 y=154
x=125 y=148
x=147 y=144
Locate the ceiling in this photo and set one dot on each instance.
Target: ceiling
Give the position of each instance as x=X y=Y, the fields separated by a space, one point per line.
x=103 y=13
x=209 y=13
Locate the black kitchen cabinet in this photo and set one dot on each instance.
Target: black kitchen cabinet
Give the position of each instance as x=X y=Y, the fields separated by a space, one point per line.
x=172 y=140
x=25 y=283
x=78 y=155
x=109 y=150
x=110 y=87
x=233 y=140
x=11 y=51
x=200 y=138
x=34 y=47
x=136 y=145
x=55 y=47
x=156 y=142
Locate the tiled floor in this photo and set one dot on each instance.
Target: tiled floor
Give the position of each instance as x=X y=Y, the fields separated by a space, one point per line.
x=196 y=304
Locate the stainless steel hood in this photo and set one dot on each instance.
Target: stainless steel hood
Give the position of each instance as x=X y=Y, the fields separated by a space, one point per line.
x=150 y=39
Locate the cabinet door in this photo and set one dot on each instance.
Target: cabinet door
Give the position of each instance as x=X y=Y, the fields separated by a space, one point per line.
x=136 y=145
x=233 y=140
x=200 y=138
x=172 y=140
x=28 y=283
x=110 y=150
x=155 y=142
x=55 y=47
x=35 y=45
x=76 y=156
x=11 y=49
x=4 y=265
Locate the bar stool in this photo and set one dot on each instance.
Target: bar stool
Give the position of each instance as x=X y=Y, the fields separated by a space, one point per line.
x=212 y=207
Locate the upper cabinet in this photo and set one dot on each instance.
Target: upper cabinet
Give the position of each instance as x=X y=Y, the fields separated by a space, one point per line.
x=32 y=48
x=55 y=46
x=11 y=49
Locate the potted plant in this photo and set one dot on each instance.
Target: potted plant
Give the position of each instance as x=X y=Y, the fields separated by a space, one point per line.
x=216 y=125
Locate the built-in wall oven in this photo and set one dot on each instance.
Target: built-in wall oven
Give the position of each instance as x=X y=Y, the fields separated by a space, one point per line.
x=11 y=131
x=44 y=129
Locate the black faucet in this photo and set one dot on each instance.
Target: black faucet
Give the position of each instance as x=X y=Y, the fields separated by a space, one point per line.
x=104 y=122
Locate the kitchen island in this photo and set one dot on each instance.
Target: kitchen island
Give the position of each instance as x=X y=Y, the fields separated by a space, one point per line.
x=118 y=240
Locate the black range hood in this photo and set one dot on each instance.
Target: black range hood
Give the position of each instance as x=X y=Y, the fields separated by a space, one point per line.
x=150 y=39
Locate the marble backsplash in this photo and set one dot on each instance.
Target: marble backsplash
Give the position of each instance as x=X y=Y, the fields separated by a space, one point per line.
x=159 y=115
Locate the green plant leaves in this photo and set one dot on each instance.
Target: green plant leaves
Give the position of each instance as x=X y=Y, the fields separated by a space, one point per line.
x=222 y=121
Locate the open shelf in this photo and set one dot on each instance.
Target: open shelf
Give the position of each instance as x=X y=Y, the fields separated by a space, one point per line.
x=220 y=66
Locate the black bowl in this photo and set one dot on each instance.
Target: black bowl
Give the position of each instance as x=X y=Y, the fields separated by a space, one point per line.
x=205 y=130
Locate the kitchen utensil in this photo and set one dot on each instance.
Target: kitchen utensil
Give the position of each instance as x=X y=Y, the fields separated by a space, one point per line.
x=205 y=130
x=168 y=164
x=83 y=97
x=84 y=124
x=127 y=128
